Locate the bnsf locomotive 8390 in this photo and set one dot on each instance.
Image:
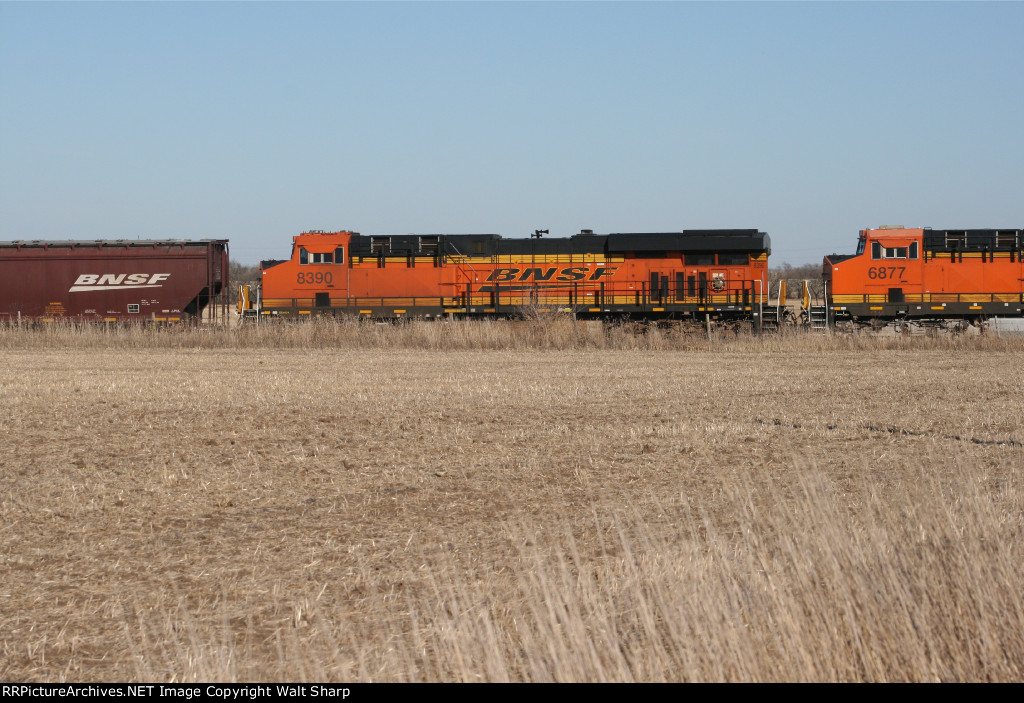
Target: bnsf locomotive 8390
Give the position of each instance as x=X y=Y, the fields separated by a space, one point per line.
x=718 y=274
x=910 y=274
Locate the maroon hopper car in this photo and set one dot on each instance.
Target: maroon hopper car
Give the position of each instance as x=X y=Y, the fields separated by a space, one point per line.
x=111 y=280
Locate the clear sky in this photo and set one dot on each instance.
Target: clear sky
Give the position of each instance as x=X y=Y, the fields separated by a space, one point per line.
x=256 y=121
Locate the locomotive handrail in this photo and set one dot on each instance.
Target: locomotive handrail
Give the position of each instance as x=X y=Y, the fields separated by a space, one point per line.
x=503 y=297
x=760 y=302
x=743 y=294
x=848 y=298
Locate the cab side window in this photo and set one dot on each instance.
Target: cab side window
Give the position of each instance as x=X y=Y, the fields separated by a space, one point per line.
x=880 y=252
x=329 y=257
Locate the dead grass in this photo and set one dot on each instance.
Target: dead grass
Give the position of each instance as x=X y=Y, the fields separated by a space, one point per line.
x=542 y=332
x=759 y=509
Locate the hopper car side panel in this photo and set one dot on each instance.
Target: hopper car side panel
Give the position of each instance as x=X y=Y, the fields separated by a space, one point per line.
x=112 y=280
x=719 y=273
x=922 y=273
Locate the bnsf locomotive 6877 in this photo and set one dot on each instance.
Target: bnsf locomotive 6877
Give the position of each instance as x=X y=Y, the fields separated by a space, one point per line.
x=714 y=274
x=921 y=274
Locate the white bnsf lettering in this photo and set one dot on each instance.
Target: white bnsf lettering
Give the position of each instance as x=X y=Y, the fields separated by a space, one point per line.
x=118 y=281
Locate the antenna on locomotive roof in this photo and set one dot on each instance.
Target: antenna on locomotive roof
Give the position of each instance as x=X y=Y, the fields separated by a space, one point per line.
x=538 y=233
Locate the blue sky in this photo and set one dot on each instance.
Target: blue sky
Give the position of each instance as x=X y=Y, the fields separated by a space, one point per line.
x=255 y=121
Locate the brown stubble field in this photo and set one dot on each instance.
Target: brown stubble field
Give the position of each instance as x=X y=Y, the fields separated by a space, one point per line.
x=740 y=509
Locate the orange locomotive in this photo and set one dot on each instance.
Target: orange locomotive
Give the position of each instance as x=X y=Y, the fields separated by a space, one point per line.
x=902 y=273
x=720 y=274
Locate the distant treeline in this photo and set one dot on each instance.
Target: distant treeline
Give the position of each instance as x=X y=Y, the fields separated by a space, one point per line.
x=794 y=275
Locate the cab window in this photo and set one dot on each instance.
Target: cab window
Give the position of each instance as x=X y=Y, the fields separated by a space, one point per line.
x=315 y=257
x=882 y=252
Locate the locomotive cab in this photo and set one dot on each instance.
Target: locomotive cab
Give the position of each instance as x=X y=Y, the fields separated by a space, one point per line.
x=315 y=279
x=881 y=279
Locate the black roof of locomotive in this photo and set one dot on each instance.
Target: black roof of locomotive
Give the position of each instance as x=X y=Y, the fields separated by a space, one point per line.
x=717 y=240
x=691 y=240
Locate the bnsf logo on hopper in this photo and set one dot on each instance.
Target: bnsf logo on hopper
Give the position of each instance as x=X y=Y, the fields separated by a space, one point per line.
x=572 y=273
x=118 y=281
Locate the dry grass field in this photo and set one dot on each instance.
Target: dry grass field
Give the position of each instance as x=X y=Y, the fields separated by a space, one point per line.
x=533 y=502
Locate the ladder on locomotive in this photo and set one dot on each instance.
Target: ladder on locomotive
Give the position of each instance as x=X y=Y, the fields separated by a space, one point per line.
x=772 y=316
x=816 y=316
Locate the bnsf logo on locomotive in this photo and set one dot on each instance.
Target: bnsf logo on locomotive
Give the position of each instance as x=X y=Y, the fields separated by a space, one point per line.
x=571 y=273
x=118 y=281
